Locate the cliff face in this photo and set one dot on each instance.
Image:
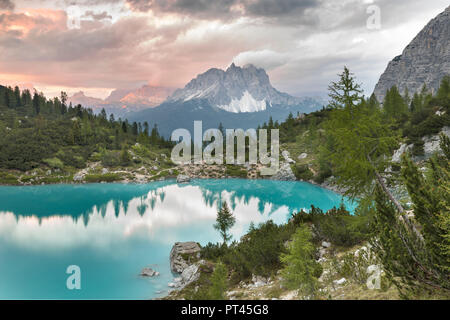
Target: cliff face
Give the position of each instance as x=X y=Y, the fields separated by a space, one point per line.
x=426 y=60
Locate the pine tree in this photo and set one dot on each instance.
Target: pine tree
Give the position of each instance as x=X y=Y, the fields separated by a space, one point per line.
x=36 y=103
x=135 y=128
x=345 y=93
x=125 y=157
x=124 y=127
x=11 y=98
x=64 y=98
x=17 y=96
x=219 y=281
x=373 y=103
x=103 y=115
x=444 y=89
x=418 y=263
x=416 y=103
x=224 y=222
x=300 y=267
x=395 y=105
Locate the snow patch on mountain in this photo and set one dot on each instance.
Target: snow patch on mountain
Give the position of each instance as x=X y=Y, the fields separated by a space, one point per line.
x=246 y=104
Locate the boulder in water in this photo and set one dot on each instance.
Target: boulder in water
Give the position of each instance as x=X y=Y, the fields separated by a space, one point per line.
x=183 y=178
x=149 y=272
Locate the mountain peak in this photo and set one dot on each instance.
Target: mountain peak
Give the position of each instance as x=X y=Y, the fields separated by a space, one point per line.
x=79 y=94
x=237 y=89
x=424 y=61
x=232 y=66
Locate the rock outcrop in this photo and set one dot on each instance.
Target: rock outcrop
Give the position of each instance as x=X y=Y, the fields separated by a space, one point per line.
x=287 y=157
x=431 y=145
x=183 y=254
x=426 y=60
x=191 y=274
x=284 y=173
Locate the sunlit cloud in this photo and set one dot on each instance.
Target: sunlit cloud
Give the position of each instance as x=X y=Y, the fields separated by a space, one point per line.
x=125 y=43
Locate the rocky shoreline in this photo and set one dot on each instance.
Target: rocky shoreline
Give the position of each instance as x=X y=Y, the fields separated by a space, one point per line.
x=182 y=174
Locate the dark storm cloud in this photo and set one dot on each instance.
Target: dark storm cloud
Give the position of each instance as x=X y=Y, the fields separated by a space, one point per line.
x=226 y=9
x=270 y=8
x=6 y=5
x=214 y=9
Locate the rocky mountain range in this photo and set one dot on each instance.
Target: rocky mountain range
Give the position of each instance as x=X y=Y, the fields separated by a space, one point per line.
x=123 y=101
x=238 y=97
x=426 y=60
x=246 y=89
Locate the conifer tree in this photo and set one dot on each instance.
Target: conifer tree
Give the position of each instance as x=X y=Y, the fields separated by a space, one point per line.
x=418 y=263
x=218 y=282
x=224 y=222
x=300 y=267
x=395 y=105
x=444 y=89
x=345 y=93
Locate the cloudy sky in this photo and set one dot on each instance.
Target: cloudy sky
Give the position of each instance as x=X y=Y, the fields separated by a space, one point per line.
x=100 y=45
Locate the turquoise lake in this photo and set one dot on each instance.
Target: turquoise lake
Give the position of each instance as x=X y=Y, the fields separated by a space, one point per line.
x=112 y=231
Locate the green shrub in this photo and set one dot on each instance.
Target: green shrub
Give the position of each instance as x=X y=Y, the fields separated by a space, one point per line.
x=324 y=172
x=125 y=158
x=51 y=180
x=235 y=171
x=417 y=149
x=7 y=178
x=96 y=156
x=108 y=177
x=259 y=251
x=213 y=251
x=337 y=226
x=54 y=163
x=302 y=172
x=71 y=157
x=111 y=158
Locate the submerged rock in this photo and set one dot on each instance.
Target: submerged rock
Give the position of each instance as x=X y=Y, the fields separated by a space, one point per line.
x=149 y=272
x=183 y=178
